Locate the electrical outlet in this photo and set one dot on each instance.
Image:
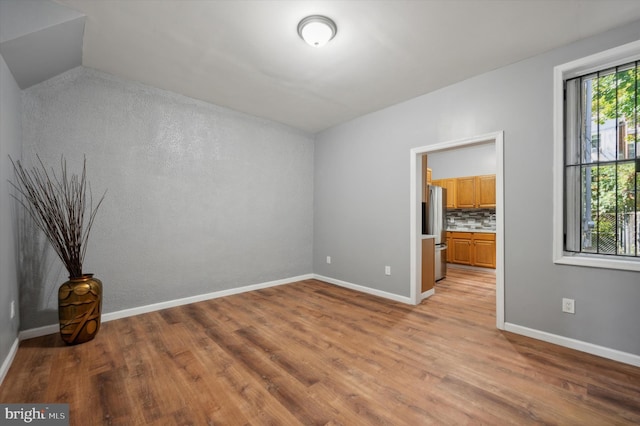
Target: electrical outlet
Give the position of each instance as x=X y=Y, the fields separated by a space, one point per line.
x=387 y=270
x=568 y=306
x=13 y=309
x=328 y=259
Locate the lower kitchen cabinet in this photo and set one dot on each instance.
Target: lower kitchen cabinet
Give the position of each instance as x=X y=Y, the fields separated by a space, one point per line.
x=472 y=248
x=484 y=250
x=461 y=245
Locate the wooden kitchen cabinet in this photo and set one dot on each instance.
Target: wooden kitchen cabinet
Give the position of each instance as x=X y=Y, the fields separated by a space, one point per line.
x=450 y=185
x=486 y=191
x=427 y=182
x=466 y=192
x=484 y=250
x=461 y=245
x=426 y=178
x=469 y=192
x=476 y=192
x=472 y=248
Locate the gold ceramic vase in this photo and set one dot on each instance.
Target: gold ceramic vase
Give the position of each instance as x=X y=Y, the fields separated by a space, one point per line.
x=79 y=308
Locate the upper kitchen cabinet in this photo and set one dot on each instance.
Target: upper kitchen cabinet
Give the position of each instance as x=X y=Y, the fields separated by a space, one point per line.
x=466 y=192
x=450 y=185
x=457 y=169
x=426 y=177
x=486 y=191
x=476 y=192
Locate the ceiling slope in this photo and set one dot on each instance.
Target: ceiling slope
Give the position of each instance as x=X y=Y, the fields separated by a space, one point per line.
x=246 y=55
x=39 y=39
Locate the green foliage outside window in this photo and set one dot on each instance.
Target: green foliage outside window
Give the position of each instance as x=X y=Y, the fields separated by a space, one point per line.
x=613 y=186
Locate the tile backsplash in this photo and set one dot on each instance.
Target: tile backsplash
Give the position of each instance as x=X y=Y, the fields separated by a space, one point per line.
x=471 y=219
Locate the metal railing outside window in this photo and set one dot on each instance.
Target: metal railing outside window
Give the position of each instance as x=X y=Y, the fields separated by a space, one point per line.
x=602 y=162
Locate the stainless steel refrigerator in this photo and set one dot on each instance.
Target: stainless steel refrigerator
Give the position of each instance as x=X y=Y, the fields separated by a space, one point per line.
x=434 y=220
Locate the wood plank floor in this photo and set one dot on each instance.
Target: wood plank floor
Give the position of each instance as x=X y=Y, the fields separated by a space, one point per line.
x=313 y=353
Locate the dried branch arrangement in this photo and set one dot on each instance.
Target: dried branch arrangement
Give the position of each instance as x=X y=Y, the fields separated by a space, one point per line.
x=58 y=206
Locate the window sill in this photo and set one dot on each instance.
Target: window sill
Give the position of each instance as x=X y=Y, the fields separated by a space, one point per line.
x=594 y=261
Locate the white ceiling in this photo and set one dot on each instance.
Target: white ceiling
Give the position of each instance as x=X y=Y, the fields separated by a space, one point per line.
x=246 y=55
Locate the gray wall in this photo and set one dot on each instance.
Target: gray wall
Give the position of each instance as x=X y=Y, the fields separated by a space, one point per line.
x=10 y=138
x=466 y=161
x=200 y=198
x=362 y=198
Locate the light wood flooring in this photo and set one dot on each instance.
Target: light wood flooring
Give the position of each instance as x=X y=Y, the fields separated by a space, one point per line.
x=313 y=353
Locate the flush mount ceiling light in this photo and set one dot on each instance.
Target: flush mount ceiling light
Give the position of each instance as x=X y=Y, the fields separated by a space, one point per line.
x=317 y=30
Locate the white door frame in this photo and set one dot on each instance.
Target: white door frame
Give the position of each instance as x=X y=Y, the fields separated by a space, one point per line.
x=416 y=223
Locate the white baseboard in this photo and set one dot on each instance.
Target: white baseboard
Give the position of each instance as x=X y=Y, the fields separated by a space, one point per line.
x=54 y=328
x=590 y=348
x=38 y=331
x=602 y=351
x=363 y=289
x=6 y=364
x=199 y=298
x=427 y=294
x=613 y=354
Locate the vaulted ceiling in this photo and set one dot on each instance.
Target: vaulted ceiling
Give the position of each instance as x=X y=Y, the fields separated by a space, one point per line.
x=246 y=55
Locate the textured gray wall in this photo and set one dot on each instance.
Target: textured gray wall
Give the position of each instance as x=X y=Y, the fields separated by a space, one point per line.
x=200 y=198
x=362 y=198
x=10 y=138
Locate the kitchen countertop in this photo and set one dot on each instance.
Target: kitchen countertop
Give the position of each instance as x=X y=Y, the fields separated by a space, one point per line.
x=487 y=231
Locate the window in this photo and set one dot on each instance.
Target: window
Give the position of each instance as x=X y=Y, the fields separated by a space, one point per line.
x=597 y=164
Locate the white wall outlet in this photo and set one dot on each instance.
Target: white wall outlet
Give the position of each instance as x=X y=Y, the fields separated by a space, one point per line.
x=387 y=270
x=13 y=309
x=568 y=306
x=328 y=259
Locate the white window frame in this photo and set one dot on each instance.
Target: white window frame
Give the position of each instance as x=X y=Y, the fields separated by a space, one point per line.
x=609 y=58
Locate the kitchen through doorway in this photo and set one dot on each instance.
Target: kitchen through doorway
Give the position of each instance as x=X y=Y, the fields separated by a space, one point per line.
x=444 y=150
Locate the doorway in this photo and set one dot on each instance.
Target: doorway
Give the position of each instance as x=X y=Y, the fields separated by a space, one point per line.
x=415 y=213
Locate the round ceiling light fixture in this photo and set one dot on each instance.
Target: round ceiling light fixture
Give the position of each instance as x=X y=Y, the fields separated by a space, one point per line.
x=317 y=30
